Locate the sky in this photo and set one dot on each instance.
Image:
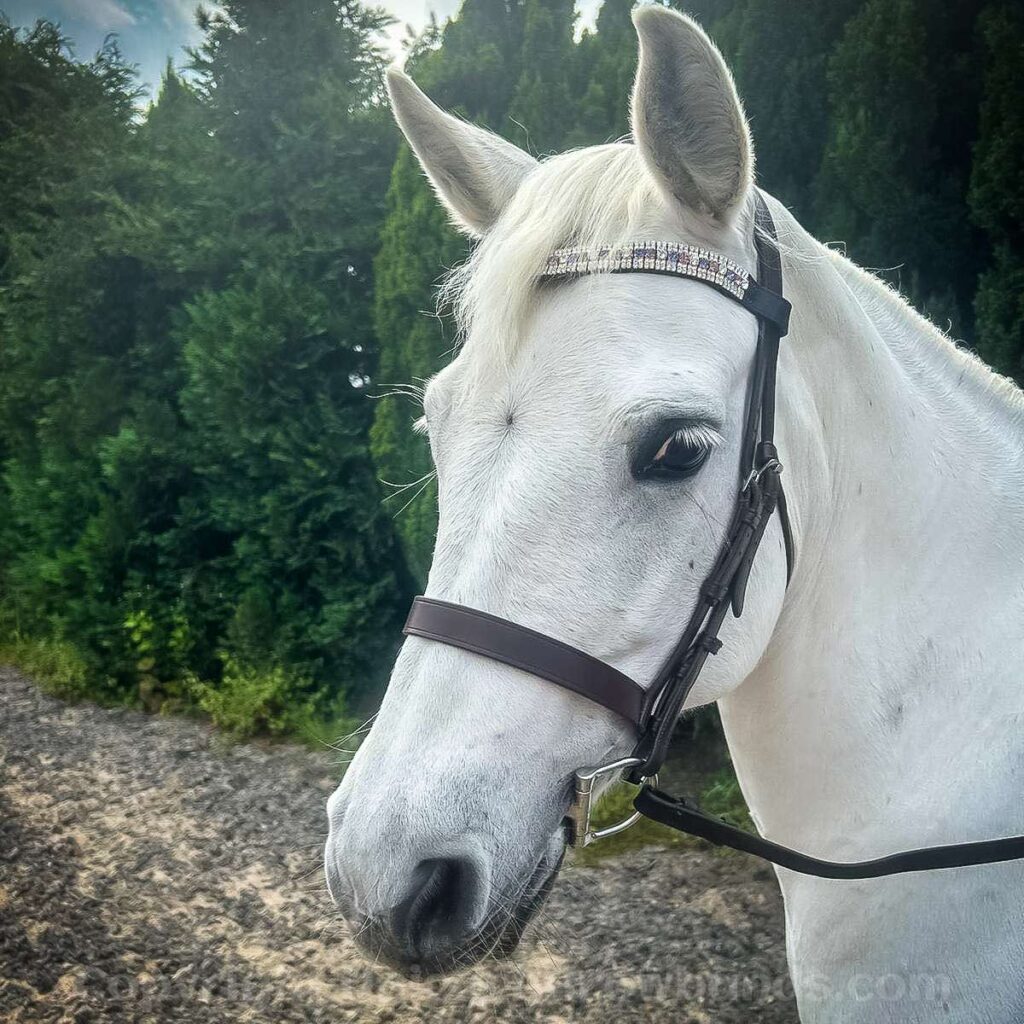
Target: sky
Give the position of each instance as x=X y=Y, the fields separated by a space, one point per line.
x=150 y=31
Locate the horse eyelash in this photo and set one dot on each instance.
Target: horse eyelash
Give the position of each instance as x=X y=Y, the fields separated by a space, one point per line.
x=699 y=435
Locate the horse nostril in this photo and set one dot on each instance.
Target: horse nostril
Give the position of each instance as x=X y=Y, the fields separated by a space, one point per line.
x=439 y=911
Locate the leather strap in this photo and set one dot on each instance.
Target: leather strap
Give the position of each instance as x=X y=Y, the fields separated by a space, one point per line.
x=760 y=496
x=677 y=813
x=526 y=649
x=766 y=303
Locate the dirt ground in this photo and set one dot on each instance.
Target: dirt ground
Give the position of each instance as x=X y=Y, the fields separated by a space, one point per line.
x=149 y=872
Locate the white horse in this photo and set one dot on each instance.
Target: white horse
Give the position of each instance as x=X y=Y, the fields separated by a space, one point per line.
x=877 y=704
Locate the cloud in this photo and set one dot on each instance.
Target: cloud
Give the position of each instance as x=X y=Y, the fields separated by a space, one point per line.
x=179 y=10
x=180 y=16
x=107 y=15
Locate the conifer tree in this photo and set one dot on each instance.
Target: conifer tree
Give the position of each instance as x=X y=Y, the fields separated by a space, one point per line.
x=472 y=65
x=892 y=186
x=997 y=190
x=280 y=354
x=605 y=66
x=416 y=243
x=541 y=113
x=237 y=222
x=779 y=53
x=67 y=315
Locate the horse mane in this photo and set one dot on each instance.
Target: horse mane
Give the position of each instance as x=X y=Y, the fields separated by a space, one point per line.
x=949 y=364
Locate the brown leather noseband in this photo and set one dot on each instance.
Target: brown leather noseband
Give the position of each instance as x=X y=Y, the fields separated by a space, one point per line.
x=653 y=711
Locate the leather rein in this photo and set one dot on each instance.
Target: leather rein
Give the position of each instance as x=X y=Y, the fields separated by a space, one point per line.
x=654 y=711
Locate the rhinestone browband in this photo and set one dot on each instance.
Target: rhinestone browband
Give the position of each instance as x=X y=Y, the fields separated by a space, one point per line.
x=674 y=258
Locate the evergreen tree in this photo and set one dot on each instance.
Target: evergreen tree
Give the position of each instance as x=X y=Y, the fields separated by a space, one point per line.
x=67 y=324
x=605 y=66
x=279 y=443
x=292 y=95
x=896 y=164
x=95 y=483
x=58 y=121
x=541 y=113
x=997 y=190
x=416 y=243
x=473 y=64
x=779 y=52
x=245 y=213
x=173 y=224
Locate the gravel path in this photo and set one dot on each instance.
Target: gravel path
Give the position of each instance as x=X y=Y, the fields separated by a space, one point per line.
x=150 y=873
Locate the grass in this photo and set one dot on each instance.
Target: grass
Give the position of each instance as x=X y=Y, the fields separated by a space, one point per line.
x=55 y=666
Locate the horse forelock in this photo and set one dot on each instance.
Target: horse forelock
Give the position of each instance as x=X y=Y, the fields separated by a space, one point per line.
x=582 y=198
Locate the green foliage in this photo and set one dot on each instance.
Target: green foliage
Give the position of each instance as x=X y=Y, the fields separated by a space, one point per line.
x=58 y=120
x=541 y=111
x=603 y=79
x=55 y=665
x=472 y=65
x=185 y=307
x=997 y=189
x=249 y=700
x=214 y=314
x=779 y=53
x=723 y=797
x=64 y=381
x=416 y=243
x=895 y=167
x=286 y=498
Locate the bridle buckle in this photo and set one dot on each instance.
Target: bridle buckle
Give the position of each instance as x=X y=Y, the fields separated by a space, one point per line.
x=581 y=833
x=771 y=465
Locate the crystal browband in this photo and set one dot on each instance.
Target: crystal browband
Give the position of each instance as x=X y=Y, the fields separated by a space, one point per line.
x=677 y=259
x=658 y=257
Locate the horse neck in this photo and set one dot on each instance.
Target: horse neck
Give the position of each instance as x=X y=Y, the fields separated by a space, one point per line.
x=894 y=659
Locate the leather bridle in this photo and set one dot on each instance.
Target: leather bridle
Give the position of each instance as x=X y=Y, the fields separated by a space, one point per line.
x=654 y=711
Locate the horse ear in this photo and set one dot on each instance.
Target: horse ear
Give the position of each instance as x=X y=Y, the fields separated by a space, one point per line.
x=687 y=118
x=474 y=172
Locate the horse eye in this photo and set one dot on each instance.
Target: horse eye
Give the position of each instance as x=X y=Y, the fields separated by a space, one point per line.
x=678 y=457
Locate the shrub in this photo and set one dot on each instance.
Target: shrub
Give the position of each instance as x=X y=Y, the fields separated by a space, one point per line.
x=250 y=700
x=55 y=665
